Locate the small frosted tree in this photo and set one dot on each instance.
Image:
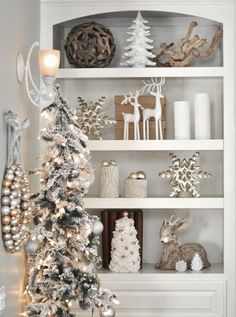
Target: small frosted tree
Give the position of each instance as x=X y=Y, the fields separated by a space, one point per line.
x=139 y=50
x=125 y=247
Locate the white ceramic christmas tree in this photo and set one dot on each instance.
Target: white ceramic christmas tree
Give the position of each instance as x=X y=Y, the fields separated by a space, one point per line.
x=139 y=50
x=197 y=263
x=125 y=247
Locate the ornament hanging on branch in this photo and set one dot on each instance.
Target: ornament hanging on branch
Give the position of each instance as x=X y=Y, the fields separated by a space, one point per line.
x=139 y=50
x=186 y=49
x=184 y=175
x=91 y=118
x=125 y=247
x=197 y=263
x=62 y=250
x=16 y=207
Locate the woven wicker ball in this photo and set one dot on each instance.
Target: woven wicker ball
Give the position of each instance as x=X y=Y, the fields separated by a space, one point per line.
x=90 y=45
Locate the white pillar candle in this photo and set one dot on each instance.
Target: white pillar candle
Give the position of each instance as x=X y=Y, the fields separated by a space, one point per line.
x=182 y=120
x=202 y=116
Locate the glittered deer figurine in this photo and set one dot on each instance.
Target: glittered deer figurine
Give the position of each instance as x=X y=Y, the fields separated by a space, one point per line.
x=154 y=88
x=172 y=251
x=132 y=117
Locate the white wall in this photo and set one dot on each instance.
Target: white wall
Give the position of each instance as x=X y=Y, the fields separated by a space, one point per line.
x=19 y=25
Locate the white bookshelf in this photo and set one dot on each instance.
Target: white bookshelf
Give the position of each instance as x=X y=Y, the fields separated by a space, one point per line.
x=150 y=292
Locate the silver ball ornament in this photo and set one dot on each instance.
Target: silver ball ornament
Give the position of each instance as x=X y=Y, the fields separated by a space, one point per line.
x=7 y=236
x=9 y=176
x=141 y=175
x=6 y=191
x=24 y=205
x=15 y=221
x=132 y=176
x=6 y=229
x=15 y=194
x=105 y=163
x=8 y=243
x=17 y=185
x=5 y=210
x=15 y=230
x=97 y=227
x=31 y=246
x=5 y=200
x=16 y=237
x=112 y=163
x=15 y=202
x=71 y=206
x=107 y=311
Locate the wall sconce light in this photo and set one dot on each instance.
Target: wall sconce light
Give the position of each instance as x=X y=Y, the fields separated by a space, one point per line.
x=49 y=61
x=2 y=299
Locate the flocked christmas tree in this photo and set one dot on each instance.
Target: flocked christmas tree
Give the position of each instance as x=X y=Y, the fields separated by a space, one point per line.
x=139 y=50
x=125 y=247
x=63 y=245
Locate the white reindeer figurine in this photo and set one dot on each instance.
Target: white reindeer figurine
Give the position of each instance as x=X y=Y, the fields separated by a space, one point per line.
x=172 y=251
x=132 y=117
x=154 y=88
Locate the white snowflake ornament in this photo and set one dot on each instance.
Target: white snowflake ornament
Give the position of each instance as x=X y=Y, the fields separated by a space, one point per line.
x=197 y=263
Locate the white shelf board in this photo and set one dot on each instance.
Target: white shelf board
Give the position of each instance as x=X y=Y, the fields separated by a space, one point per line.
x=155 y=145
x=154 y=203
x=77 y=73
x=148 y=271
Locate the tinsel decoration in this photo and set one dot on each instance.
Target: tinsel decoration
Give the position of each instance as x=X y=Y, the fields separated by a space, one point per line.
x=184 y=175
x=61 y=270
x=181 y=266
x=91 y=118
x=197 y=263
x=16 y=207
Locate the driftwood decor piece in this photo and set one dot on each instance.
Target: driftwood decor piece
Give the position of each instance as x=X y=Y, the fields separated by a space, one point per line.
x=90 y=45
x=187 y=47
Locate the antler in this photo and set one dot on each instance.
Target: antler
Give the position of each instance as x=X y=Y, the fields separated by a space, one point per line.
x=130 y=97
x=153 y=84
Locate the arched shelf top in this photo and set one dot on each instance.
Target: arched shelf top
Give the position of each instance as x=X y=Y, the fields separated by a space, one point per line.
x=131 y=14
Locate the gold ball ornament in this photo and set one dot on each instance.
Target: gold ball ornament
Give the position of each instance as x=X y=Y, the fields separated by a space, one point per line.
x=107 y=311
x=7 y=183
x=6 y=220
